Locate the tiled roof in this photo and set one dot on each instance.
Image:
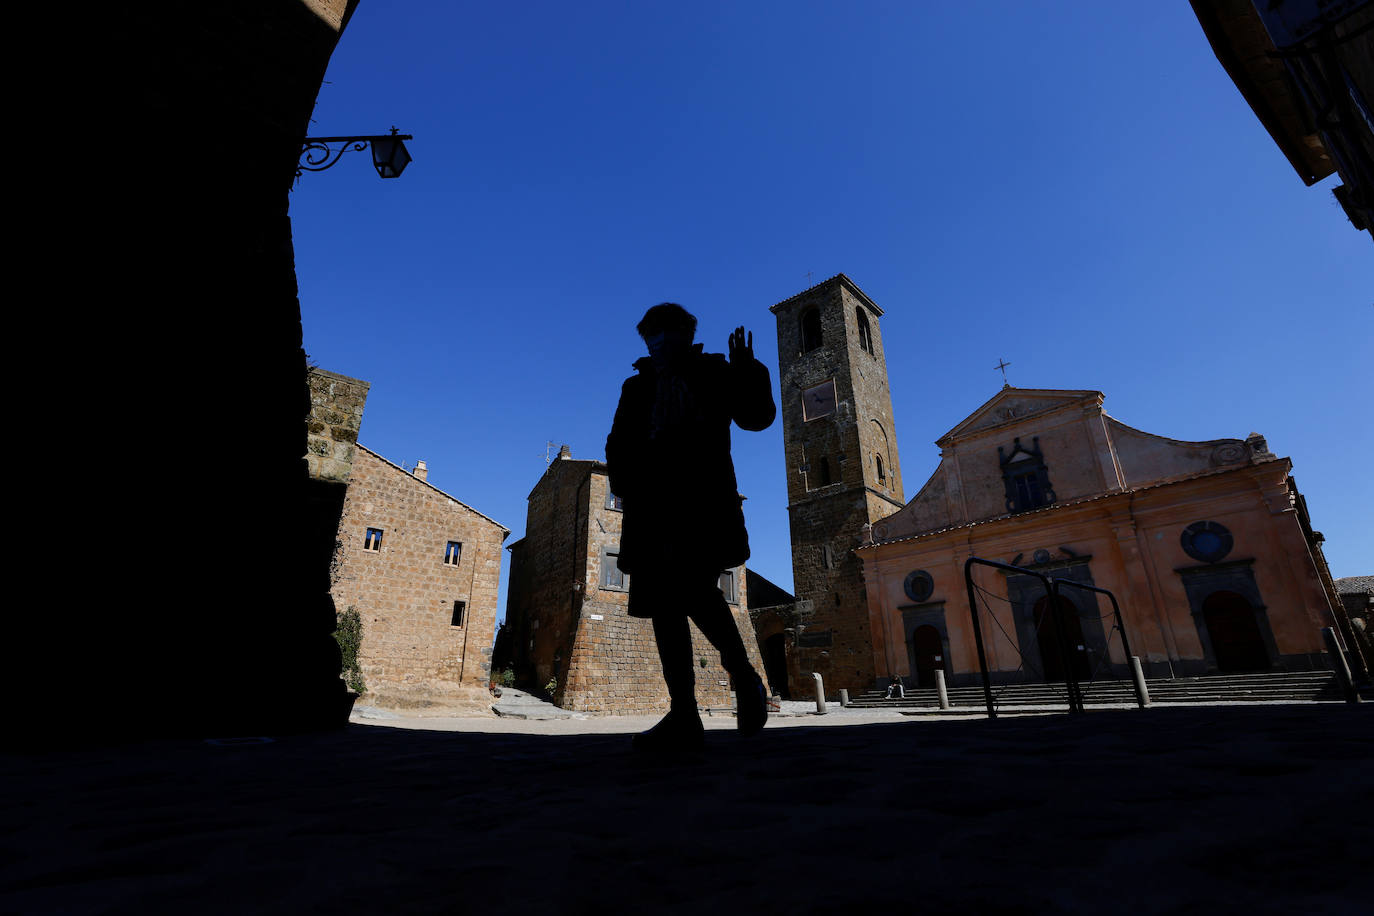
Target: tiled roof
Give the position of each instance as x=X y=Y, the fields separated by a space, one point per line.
x=868 y=300
x=1355 y=585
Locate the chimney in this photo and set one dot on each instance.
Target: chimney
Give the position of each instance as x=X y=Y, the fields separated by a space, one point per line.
x=421 y=471
x=564 y=452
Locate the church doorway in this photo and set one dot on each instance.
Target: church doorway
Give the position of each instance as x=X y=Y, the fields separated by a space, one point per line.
x=1236 y=640
x=1056 y=666
x=927 y=649
x=775 y=664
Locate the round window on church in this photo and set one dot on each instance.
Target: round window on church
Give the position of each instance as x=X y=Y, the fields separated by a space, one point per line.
x=919 y=585
x=1206 y=541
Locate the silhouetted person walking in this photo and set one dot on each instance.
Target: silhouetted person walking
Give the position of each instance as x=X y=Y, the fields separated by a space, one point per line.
x=668 y=458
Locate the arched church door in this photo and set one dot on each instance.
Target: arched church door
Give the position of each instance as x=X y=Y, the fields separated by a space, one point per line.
x=775 y=665
x=1055 y=665
x=1236 y=640
x=927 y=649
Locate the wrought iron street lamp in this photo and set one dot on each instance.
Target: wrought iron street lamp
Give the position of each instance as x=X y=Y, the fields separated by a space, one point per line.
x=389 y=153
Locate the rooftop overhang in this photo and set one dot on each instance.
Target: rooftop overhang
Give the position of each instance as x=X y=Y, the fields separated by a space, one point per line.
x=1242 y=45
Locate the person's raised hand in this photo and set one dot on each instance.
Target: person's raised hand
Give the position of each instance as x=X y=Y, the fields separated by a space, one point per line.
x=741 y=345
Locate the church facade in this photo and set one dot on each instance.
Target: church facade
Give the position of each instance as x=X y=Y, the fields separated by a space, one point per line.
x=1206 y=546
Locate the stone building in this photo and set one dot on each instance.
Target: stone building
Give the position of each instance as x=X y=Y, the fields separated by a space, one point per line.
x=1206 y=545
x=772 y=612
x=421 y=568
x=423 y=571
x=567 y=618
x=843 y=474
x=1357 y=597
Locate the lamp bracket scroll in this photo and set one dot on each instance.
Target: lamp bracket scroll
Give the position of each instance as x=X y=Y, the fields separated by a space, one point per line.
x=389 y=153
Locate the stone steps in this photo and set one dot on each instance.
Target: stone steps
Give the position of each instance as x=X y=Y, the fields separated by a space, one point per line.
x=1279 y=687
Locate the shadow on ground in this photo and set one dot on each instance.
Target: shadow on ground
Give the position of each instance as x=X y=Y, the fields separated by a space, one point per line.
x=1163 y=810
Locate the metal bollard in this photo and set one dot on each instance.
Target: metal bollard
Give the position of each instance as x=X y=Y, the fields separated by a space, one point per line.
x=940 y=689
x=1333 y=648
x=844 y=697
x=1142 y=693
x=820 y=693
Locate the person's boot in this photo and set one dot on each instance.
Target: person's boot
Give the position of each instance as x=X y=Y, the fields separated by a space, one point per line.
x=678 y=732
x=751 y=704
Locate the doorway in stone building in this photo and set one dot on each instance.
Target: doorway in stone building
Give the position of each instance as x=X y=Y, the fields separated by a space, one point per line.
x=775 y=664
x=1054 y=665
x=927 y=652
x=1237 y=643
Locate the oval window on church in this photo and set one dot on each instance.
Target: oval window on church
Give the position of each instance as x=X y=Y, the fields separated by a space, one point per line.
x=1206 y=541
x=919 y=585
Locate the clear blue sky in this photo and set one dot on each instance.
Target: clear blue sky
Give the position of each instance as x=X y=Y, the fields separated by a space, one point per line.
x=1076 y=188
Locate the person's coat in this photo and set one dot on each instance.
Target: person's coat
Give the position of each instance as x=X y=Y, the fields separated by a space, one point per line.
x=668 y=459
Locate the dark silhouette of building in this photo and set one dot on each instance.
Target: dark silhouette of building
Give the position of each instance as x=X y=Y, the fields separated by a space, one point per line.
x=171 y=317
x=1307 y=71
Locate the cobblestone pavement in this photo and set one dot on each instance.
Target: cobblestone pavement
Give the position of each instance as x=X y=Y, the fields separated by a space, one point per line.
x=1181 y=810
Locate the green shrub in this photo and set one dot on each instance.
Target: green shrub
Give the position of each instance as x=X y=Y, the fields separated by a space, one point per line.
x=349 y=636
x=507 y=678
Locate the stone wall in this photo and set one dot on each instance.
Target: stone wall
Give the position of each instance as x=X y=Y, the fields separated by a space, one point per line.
x=568 y=627
x=413 y=652
x=336 y=416
x=544 y=576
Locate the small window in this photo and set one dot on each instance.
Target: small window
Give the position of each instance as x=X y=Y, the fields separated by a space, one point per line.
x=824 y=480
x=459 y=608
x=612 y=578
x=728 y=586
x=811 y=330
x=865 y=332
x=1025 y=477
x=453 y=554
x=373 y=539
x=882 y=477
x=1027 y=490
x=1207 y=541
x=614 y=502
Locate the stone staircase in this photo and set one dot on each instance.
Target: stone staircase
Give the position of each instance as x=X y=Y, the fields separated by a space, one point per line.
x=1268 y=687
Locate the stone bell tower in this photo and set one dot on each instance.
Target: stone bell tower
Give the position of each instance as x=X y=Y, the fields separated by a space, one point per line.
x=843 y=474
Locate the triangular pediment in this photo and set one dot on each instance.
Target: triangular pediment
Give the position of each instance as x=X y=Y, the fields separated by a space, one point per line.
x=1011 y=405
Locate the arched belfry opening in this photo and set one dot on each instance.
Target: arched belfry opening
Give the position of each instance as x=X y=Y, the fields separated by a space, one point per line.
x=811 y=336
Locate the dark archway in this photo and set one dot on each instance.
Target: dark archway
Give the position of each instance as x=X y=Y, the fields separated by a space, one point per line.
x=1236 y=640
x=927 y=649
x=1054 y=665
x=775 y=664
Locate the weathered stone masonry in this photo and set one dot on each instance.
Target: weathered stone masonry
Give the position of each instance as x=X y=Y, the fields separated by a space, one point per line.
x=843 y=473
x=570 y=624
x=414 y=648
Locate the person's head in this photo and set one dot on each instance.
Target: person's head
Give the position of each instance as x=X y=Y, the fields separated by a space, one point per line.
x=668 y=329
